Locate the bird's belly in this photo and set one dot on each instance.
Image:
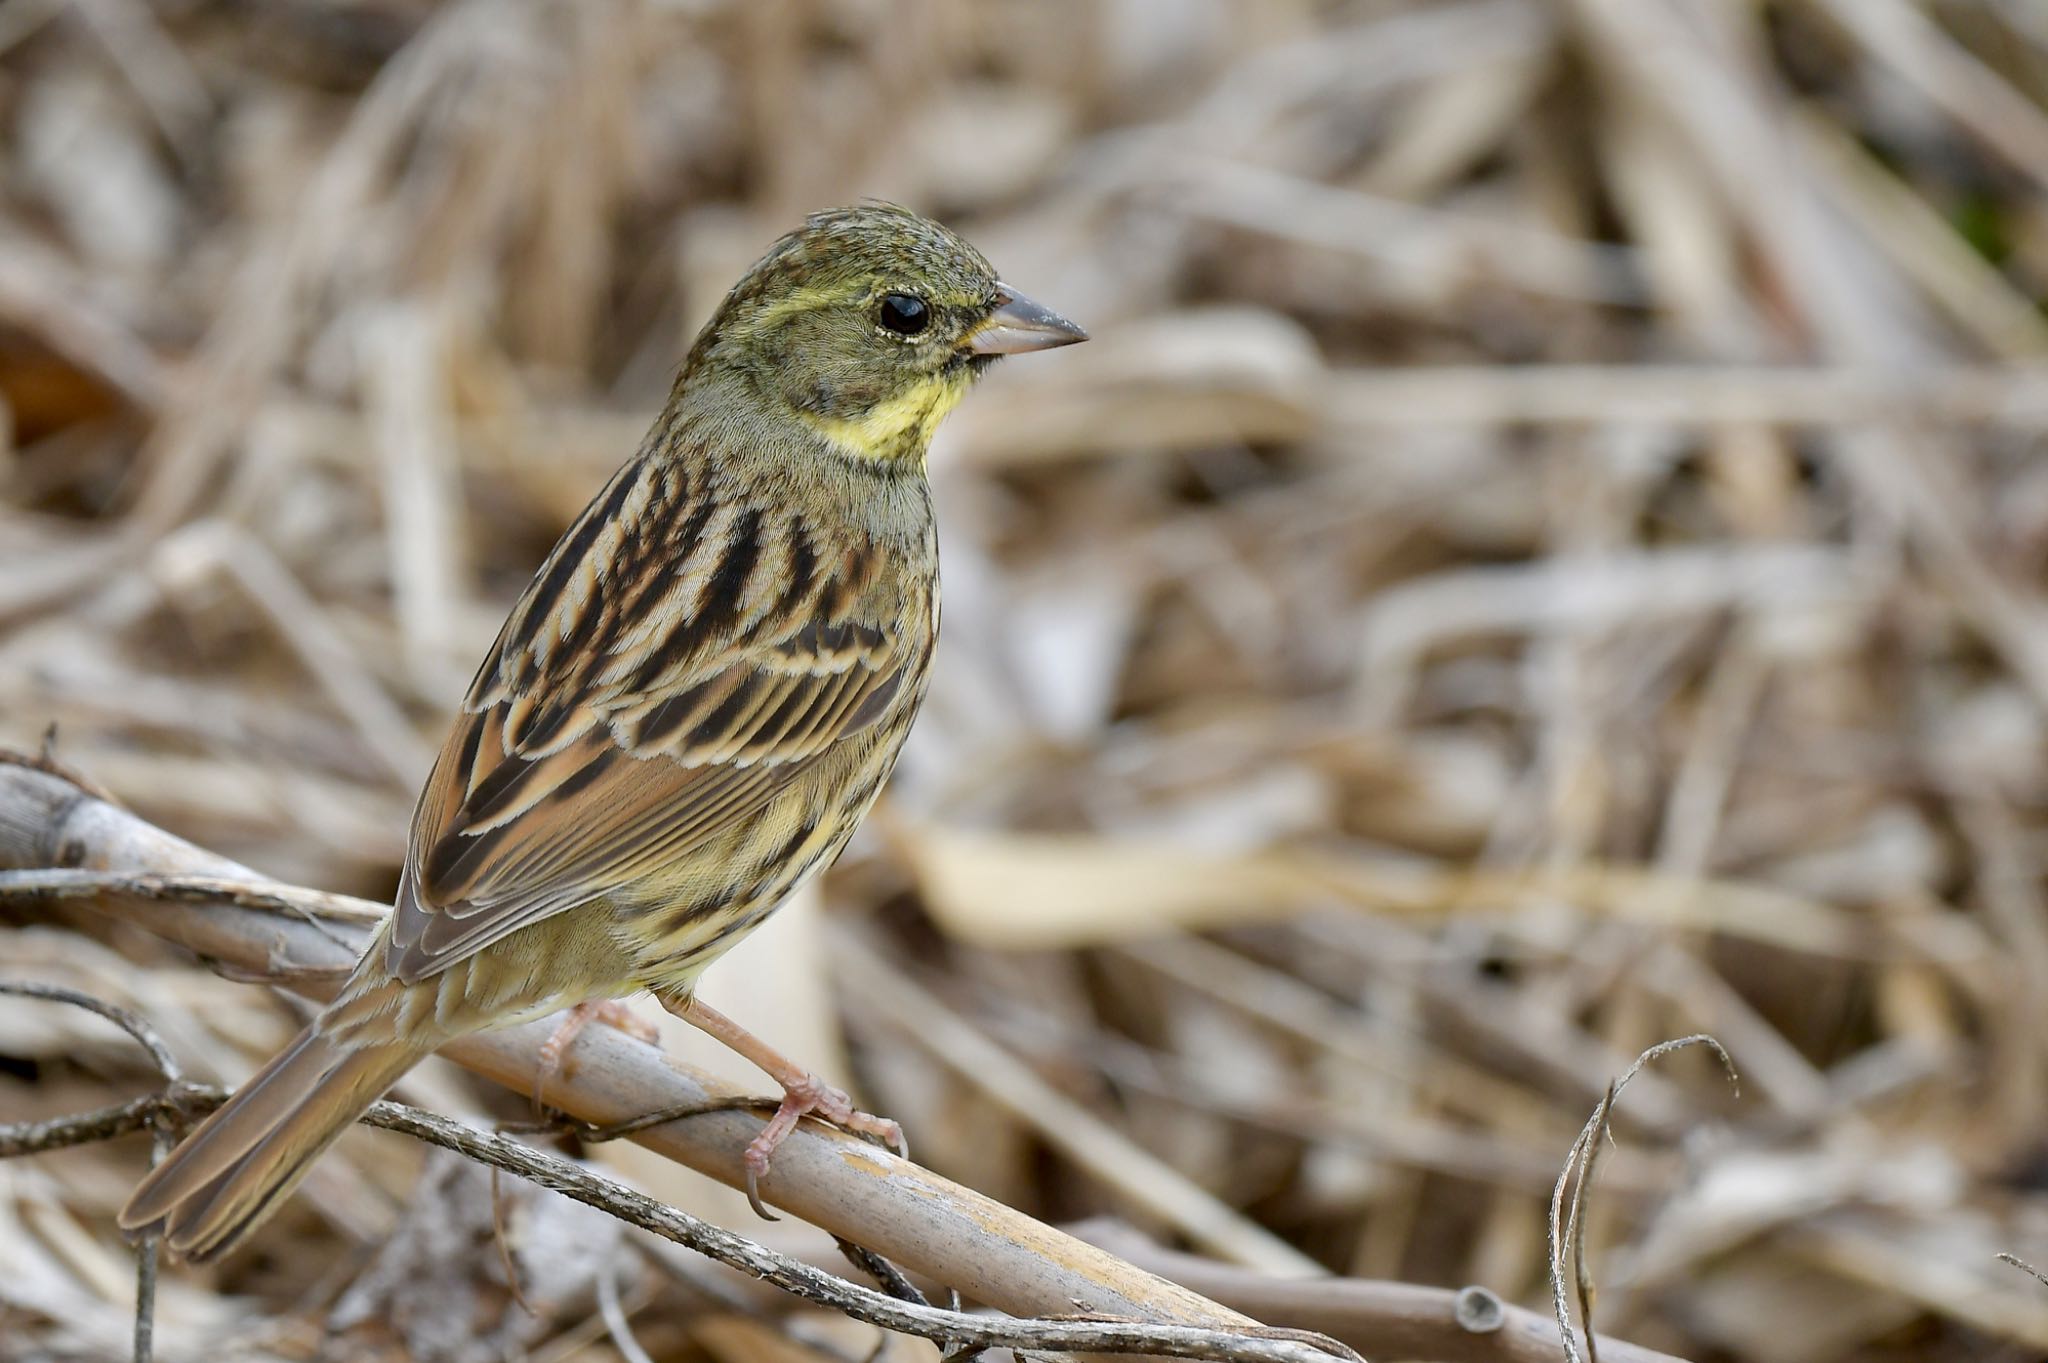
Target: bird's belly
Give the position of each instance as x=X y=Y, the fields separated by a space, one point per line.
x=552 y=964
x=677 y=922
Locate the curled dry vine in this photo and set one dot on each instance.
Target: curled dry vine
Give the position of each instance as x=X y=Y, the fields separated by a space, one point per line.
x=1575 y=1183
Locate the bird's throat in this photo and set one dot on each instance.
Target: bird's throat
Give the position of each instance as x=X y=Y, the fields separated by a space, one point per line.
x=897 y=429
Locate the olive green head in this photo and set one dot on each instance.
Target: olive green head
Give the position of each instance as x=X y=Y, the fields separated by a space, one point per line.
x=868 y=324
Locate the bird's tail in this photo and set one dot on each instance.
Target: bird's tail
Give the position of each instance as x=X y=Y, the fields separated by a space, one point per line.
x=226 y=1177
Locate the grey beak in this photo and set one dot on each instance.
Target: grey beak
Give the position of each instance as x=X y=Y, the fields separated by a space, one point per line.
x=1018 y=325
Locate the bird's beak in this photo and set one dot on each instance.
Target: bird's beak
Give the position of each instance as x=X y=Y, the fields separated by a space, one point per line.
x=1018 y=325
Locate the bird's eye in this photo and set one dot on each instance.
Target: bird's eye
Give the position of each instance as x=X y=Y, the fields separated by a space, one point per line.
x=903 y=314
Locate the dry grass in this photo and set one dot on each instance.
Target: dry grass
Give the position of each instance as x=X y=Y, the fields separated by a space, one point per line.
x=1548 y=552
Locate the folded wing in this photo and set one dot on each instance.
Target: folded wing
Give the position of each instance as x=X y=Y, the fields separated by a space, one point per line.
x=677 y=662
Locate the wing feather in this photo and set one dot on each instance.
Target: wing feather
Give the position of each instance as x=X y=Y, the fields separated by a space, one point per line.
x=576 y=771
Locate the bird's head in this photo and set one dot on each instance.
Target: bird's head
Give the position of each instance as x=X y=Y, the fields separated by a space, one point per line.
x=868 y=324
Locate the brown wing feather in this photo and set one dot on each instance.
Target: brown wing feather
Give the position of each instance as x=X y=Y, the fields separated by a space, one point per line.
x=637 y=702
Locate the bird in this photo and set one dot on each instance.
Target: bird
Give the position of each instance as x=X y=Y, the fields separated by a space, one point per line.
x=685 y=715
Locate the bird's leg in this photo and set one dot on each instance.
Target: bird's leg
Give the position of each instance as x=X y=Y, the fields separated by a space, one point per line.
x=611 y=1012
x=803 y=1094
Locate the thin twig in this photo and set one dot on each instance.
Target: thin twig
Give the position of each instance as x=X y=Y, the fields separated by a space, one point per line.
x=1567 y=1229
x=890 y=1278
x=144 y=1034
x=147 y=1253
x=503 y=1243
x=183 y=1102
x=2023 y=1266
x=1575 y=1230
x=145 y=1294
x=167 y=1065
x=613 y=1131
x=613 y=1312
x=312 y=907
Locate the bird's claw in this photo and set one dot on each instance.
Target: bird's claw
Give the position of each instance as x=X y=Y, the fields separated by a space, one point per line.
x=810 y=1096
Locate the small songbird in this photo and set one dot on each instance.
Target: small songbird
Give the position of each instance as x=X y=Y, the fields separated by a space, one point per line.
x=686 y=714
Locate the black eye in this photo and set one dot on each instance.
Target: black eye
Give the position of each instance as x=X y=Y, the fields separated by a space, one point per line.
x=904 y=315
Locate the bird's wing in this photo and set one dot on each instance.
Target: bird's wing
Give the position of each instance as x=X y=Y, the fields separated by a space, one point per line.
x=678 y=659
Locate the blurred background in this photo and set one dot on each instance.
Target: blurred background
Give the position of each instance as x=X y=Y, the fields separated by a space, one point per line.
x=1545 y=553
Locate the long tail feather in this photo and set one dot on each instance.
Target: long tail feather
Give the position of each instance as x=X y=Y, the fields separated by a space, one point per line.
x=228 y=1175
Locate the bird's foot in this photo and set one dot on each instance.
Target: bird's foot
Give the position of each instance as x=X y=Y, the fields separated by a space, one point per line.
x=803 y=1094
x=806 y=1095
x=610 y=1012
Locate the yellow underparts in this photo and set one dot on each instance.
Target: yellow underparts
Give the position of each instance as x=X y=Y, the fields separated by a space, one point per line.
x=900 y=427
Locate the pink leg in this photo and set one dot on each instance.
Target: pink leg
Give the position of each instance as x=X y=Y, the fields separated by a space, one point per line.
x=611 y=1012
x=803 y=1093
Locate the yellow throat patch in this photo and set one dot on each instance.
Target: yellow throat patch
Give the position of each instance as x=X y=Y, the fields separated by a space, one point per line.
x=900 y=427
